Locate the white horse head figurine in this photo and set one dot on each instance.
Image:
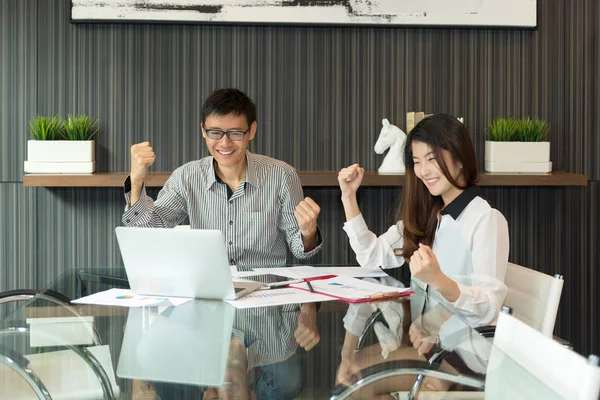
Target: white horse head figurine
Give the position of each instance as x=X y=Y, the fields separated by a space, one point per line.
x=393 y=138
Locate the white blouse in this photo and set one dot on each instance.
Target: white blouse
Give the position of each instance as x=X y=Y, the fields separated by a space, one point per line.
x=471 y=245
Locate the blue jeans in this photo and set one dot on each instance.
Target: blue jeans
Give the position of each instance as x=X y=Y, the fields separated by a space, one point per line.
x=279 y=381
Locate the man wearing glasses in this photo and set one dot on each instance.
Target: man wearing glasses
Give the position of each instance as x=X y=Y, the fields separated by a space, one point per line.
x=256 y=201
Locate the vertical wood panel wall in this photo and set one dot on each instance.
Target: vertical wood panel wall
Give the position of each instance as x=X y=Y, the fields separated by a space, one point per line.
x=321 y=93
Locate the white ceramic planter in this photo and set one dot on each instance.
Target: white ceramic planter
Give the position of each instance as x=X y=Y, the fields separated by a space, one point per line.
x=59 y=167
x=60 y=157
x=515 y=167
x=517 y=157
x=60 y=151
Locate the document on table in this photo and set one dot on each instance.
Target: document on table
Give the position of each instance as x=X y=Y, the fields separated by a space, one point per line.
x=354 y=290
x=126 y=298
x=311 y=272
x=277 y=297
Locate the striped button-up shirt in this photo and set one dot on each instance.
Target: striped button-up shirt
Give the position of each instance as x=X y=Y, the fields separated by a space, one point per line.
x=267 y=333
x=257 y=220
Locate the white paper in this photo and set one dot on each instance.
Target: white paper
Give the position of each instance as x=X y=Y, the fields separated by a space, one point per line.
x=277 y=297
x=356 y=272
x=311 y=272
x=346 y=287
x=126 y=298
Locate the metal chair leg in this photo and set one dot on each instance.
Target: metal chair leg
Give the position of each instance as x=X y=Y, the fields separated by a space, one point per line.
x=370 y=322
x=402 y=369
x=435 y=359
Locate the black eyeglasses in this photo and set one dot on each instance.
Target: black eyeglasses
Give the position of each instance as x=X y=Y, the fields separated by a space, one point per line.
x=217 y=134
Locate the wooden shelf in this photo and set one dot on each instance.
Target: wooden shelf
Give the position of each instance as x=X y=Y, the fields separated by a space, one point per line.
x=308 y=179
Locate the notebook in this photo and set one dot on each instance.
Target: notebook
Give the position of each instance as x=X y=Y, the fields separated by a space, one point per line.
x=179 y=263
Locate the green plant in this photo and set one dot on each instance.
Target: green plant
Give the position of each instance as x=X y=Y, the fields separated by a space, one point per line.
x=532 y=130
x=80 y=127
x=503 y=130
x=46 y=128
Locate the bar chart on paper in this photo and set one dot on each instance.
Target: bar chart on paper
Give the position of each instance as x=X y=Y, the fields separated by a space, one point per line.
x=277 y=297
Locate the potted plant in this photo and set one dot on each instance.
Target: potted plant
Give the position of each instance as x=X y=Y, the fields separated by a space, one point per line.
x=517 y=146
x=61 y=147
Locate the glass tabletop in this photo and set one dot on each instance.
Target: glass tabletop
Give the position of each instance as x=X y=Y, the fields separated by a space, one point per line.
x=207 y=349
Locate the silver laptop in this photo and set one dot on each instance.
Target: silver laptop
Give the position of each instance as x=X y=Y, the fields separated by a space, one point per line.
x=198 y=355
x=179 y=263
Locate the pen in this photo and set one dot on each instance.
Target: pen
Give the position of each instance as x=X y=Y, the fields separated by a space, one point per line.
x=282 y=284
x=316 y=278
x=310 y=287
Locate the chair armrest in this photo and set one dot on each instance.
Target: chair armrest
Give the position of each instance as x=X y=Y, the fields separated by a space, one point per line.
x=49 y=295
x=57 y=295
x=32 y=292
x=367 y=328
x=487 y=331
x=15 y=356
x=98 y=369
x=19 y=364
x=401 y=368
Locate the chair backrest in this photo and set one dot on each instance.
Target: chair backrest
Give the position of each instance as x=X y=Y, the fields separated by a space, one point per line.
x=533 y=297
x=524 y=364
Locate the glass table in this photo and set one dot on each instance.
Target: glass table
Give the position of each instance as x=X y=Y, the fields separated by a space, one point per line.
x=208 y=349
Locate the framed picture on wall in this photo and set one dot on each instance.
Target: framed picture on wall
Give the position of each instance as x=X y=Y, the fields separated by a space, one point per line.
x=465 y=13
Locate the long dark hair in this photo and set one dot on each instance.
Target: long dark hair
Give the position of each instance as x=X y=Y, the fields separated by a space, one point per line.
x=418 y=208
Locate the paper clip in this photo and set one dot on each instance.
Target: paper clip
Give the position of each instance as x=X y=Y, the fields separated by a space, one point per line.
x=385 y=295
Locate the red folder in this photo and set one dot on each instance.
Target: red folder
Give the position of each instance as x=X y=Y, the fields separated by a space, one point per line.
x=375 y=297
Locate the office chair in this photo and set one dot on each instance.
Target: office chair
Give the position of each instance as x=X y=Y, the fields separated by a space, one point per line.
x=524 y=364
x=51 y=296
x=532 y=297
x=34 y=369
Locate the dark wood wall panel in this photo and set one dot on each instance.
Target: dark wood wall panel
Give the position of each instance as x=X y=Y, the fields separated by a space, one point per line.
x=321 y=93
x=18 y=233
x=18 y=84
x=76 y=230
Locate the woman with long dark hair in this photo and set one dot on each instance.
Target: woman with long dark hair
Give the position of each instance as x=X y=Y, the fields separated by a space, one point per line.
x=454 y=242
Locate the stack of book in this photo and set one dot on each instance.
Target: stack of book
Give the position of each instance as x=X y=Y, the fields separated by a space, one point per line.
x=413 y=118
